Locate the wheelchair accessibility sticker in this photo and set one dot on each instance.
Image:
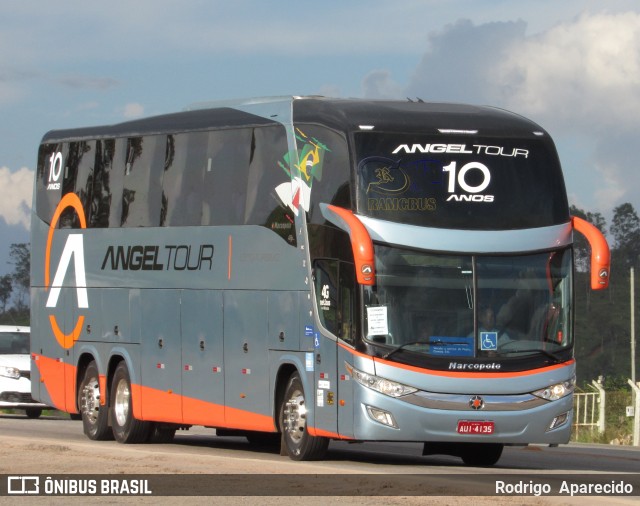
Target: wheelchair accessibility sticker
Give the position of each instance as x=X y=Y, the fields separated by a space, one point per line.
x=488 y=341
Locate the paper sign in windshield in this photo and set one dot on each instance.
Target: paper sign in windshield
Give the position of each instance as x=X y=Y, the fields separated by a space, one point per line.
x=377 y=323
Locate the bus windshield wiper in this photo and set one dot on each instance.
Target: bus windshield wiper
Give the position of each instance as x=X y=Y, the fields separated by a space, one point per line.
x=398 y=348
x=445 y=343
x=552 y=356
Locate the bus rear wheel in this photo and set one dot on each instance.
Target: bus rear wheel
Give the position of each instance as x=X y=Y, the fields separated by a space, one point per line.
x=297 y=441
x=95 y=422
x=126 y=428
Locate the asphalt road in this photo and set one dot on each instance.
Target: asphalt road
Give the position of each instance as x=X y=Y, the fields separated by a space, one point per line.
x=57 y=446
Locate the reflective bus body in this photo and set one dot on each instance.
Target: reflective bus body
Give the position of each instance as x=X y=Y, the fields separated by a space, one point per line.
x=301 y=270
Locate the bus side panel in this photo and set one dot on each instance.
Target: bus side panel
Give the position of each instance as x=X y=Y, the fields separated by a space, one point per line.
x=345 y=394
x=202 y=357
x=92 y=325
x=161 y=355
x=325 y=388
x=284 y=321
x=247 y=396
x=40 y=332
x=118 y=312
x=54 y=363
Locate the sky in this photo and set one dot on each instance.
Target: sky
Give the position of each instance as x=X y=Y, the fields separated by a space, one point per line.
x=572 y=66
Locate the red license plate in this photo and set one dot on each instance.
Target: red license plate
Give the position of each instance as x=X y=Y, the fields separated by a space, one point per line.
x=473 y=427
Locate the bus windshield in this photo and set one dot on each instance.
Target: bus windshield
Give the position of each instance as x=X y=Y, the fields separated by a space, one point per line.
x=460 y=182
x=469 y=306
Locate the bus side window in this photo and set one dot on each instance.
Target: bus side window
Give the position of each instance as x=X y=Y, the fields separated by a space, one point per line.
x=78 y=178
x=142 y=192
x=48 y=180
x=330 y=177
x=225 y=177
x=263 y=206
x=106 y=195
x=326 y=286
x=182 y=182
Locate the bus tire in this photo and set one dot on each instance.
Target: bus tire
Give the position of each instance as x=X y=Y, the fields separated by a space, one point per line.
x=126 y=428
x=297 y=441
x=161 y=434
x=263 y=439
x=33 y=412
x=94 y=416
x=481 y=454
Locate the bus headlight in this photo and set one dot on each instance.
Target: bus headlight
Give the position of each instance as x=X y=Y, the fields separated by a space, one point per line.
x=381 y=416
x=557 y=391
x=9 y=372
x=382 y=385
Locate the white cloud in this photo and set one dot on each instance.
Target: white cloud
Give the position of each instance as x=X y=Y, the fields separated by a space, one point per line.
x=379 y=84
x=461 y=62
x=583 y=78
x=585 y=73
x=133 y=110
x=17 y=189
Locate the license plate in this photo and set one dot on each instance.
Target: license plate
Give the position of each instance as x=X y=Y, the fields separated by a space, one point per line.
x=473 y=427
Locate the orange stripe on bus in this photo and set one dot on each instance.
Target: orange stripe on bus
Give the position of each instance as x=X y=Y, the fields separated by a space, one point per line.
x=459 y=374
x=325 y=433
x=52 y=377
x=199 y=412
x=240 y=419
x=157 y=404
x=164 y=406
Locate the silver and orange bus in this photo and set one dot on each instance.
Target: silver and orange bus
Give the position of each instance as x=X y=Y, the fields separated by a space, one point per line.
x=305 y=269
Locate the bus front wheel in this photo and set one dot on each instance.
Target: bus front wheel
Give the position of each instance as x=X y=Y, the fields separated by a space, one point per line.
x=126 y=428
x=299 y=444
x=481 y=454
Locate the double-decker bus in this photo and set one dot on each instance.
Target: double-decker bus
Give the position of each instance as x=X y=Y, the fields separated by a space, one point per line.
x=304 y=269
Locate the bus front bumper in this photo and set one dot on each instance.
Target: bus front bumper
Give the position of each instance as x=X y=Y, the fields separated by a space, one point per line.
x=383 y=418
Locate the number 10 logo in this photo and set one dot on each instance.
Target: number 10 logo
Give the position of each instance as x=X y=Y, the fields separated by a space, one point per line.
x=55 y=169
x=461 y=179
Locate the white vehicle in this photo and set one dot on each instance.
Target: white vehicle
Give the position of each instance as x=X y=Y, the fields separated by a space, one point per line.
x=15 y=373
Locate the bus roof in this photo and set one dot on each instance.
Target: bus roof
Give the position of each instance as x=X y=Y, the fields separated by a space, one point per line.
x=341 y=114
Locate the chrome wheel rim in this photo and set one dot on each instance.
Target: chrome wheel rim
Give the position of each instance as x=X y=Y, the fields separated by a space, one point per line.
x=295 y=416
x=121 y=403
x=90 y=400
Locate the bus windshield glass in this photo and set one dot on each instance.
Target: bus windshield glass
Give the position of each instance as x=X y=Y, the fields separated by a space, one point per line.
x=461 y=182
x=469 y=306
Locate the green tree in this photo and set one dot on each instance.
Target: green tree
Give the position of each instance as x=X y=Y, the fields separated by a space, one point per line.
x=6 y=287
x=20 y=258
x=625 y=228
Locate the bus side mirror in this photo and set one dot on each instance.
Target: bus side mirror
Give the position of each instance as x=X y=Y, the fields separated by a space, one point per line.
x=361 y=242
x=600 y=255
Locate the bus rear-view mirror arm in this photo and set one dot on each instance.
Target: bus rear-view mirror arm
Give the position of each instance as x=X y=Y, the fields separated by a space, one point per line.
x=600 y=254
x=361 y=242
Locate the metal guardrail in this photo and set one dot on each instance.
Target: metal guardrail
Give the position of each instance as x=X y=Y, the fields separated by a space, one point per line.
x=586 y=410
x=590 y=411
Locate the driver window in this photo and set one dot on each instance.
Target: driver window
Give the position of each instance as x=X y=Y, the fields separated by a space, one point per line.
x=334 y=286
